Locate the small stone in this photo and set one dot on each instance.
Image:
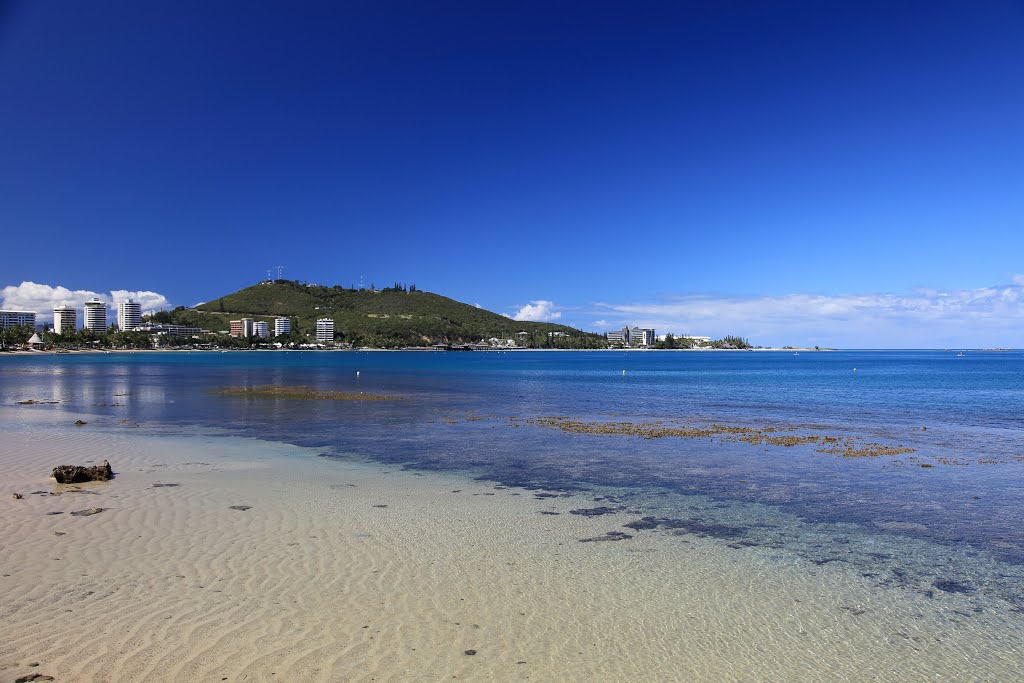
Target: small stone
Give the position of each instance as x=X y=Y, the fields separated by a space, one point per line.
x=17 y=496
x=87 y=513
x=79 y=423
x=242 y=508
x=28 y=678
x=470 y=652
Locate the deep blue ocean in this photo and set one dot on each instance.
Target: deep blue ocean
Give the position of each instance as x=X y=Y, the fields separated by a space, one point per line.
x=948 y=516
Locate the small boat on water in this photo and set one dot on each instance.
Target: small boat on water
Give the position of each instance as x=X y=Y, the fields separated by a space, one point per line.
x=960 y=355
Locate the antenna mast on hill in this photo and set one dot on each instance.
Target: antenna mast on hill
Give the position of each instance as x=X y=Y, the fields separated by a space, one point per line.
x=280 y=272
x=268 y=274
x=361 y=282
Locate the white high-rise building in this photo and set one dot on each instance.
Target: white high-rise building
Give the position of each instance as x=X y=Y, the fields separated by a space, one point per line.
x=260 y=328
x=282 y=326
x=129 y=315
x=10 y=319
x=65 y=319
x=324 y=330
x=95 y=318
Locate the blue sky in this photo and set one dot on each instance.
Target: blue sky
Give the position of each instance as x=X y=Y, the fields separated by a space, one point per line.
x=844 y=174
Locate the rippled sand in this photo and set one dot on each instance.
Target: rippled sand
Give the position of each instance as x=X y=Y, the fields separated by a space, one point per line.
x=319 y=581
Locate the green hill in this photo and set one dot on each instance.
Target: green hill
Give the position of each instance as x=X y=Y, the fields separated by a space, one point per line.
x=390 y=317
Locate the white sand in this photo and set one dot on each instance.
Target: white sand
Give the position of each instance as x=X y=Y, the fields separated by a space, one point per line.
x=314 y=583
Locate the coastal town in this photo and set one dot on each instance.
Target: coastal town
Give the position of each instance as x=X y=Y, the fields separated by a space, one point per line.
x=81 y=329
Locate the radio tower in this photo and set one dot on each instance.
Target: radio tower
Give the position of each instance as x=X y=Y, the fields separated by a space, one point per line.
x=280 y=272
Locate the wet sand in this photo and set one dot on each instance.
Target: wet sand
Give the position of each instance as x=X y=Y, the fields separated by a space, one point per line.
x=345 y=570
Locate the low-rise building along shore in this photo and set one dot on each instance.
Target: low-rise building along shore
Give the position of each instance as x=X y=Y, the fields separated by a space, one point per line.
x=632 y=336
x=9 y=319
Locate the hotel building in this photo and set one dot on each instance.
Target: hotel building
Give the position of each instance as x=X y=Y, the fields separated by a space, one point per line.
x=261 y=329
x=241 y=328
x=129 y=315
x=95 y=318
x=282 y=326
x=324 y=330
x=10 y=319
x=65 y=319
x=632 y=336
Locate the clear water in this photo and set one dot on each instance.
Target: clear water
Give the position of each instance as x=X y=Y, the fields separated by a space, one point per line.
x=955 y=527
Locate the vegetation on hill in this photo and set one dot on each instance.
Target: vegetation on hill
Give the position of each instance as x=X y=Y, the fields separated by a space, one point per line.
x=391 y=317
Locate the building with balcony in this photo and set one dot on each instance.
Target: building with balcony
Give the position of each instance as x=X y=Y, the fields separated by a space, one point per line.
x=325 y=330
x=9 y=319
x=171 y=330
x=282 y=327
x=261 y=329
x=65 y=319
x=632 y=336
x=95 y=317
x=129 y=315
x=241 y=328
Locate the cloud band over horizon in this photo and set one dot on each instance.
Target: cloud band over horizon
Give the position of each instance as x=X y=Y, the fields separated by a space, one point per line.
x=926 y=318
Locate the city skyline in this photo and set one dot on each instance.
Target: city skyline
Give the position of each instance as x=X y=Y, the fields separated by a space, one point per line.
x=840 y=175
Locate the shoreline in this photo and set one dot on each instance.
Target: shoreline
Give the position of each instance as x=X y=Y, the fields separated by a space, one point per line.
x=344 y=569
x=21 y=352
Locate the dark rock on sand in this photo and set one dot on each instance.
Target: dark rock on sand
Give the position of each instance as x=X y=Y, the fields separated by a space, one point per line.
x=86 y=513
x=79 y=423
x=72 y=474
x=17 y=496
x=470 y=652
x=950 y=586
x=595 y=512
x=243 y=508
x=32 y=677
x=688 y=526
x=56 y=512
x=610 y=536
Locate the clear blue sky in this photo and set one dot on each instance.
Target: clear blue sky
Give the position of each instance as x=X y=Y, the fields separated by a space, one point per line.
x=788 y=171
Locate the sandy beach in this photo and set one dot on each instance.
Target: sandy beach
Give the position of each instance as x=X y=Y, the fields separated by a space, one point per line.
x=342 y=570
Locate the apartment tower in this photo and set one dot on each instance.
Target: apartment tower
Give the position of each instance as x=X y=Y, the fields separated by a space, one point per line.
x=95 y=316
x=65 y=319
x=129 y=315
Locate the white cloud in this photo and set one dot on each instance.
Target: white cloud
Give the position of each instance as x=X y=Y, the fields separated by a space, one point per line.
x=926 y=318
x=151 y=301
x=538 y=311
x=31 y=296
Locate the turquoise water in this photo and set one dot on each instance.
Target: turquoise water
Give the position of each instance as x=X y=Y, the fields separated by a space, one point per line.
x=945 y=518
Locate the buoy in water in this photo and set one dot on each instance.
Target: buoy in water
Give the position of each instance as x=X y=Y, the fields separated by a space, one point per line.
x=855 y=369
x=623 y=372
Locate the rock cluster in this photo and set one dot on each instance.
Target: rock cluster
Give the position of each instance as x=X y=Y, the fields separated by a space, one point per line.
x=73 y=474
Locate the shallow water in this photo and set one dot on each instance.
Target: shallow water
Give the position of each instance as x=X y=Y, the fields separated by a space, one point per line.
x=944 y=520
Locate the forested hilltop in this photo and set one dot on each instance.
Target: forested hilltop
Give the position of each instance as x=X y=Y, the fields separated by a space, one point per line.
x=391 y=317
